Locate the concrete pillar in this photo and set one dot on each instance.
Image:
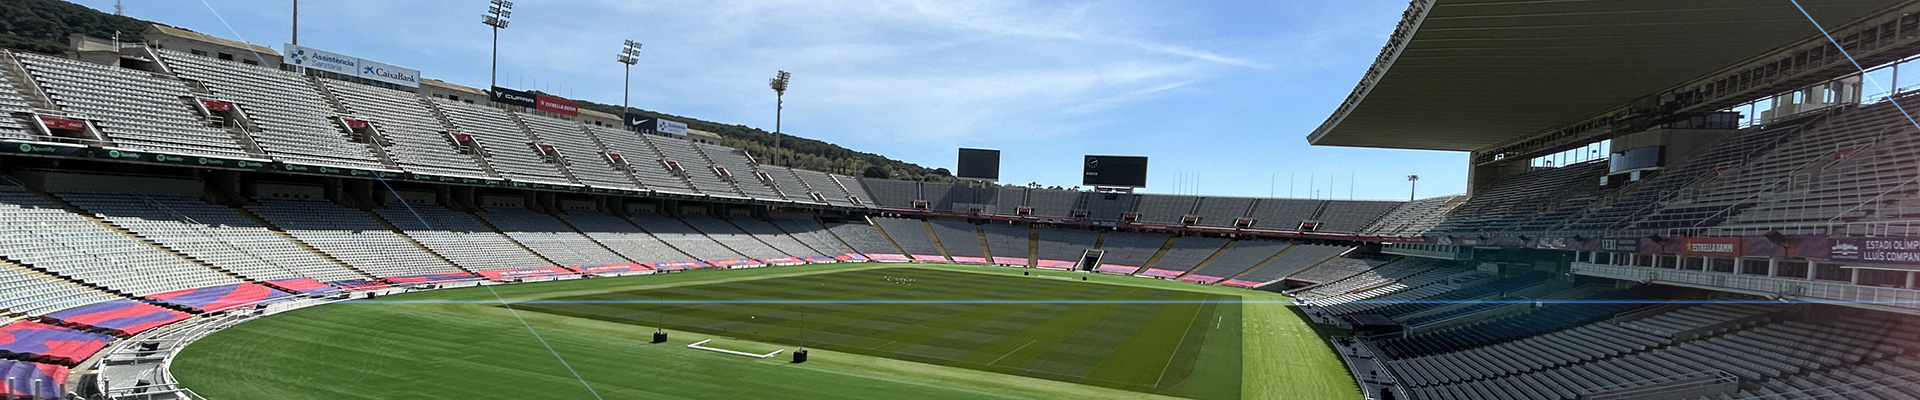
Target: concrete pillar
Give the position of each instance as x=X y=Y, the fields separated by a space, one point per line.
x=1773 y=267
x=1910 y=275
x=1853 y=275
x=1811 y=269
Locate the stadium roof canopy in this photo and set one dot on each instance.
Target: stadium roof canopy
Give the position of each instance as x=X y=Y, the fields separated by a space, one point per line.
x=1467 y=74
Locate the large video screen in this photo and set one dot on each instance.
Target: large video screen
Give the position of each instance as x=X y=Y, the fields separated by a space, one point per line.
x=979 y=164
x=1115 y=171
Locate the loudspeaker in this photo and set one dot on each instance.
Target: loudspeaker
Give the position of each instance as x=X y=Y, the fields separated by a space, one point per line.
x=1777 y=238
x=660 y=336
x=799 y=356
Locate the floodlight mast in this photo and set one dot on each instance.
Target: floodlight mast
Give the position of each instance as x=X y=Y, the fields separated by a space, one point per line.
x=779 y=85
x=1413 y=183
x=629 y=55
x=497 y=16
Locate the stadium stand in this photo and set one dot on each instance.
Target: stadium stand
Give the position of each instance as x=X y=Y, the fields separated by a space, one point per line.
x=912 y=236
x=685 y=238
x=1186 y=253
x=1010 y=244
x=863 y=238
x=548 y=237
x=693 y=165
x=1222 y=211
x=1282 y=214
x=284 y=106
x=790 y=186
x=1009 y=199
x=460 y=238
x=577 y=151
x=810 y=232
x=959 y=239
x=499 y=140
x=1352 y=216
x=1295 y=259
x=1415 y=217
x=773 y=237
x=1107 y=206
x=210 y=233
x=410 y=134
x=1063 y=245
x=1166 y=209
x=46 y=237
x=624 y=238
x=725 y=234
x=11 y=102
x=738 y=168
x=637 y=157
x=893 y=194
x=351 y=237
x=1127 y=252
x=827 y=186
x=1053 y=203
x=1237 y=257
x=134 y=109
x=856 y=189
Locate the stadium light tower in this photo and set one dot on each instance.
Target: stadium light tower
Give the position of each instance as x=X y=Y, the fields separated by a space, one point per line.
x=779 y=85
x=497 y=17
x=629 y=55
x=1413 y=183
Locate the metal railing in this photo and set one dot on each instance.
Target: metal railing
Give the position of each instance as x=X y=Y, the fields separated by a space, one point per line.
x=1785 y=289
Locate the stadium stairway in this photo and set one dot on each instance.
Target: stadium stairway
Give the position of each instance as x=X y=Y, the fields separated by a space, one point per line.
x=403 y=235
x=936 y=240
x=981 y=233
x=1203 y=263
x=566 y=168
x=1264 y=263
x=803 y=245
x=883 y=234
x=95 y=218
x=31 y=89
x=479 y=154
x=516 y=243
x=303 y=244
x=638 y=228
x=1155 y=259
x=836 y=237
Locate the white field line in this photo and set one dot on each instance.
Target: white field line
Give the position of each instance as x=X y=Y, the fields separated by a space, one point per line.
x=1015 y=350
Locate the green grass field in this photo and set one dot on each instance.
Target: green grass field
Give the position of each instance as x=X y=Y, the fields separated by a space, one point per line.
x=1056 y=329
x=1002 y=341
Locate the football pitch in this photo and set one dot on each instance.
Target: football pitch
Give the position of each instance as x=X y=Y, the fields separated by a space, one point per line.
x=1124 y=337
x=876 y=331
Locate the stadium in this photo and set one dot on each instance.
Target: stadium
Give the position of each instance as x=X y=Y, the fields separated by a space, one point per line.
x=1667 y=200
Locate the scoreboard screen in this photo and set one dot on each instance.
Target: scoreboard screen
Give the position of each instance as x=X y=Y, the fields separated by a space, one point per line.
x=1115 y=171
x=980 y=164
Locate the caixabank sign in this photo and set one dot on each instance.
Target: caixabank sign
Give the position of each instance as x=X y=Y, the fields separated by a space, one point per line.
x=308 y=57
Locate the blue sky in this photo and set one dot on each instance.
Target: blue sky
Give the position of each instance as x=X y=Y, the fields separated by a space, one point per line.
x=1221 y=95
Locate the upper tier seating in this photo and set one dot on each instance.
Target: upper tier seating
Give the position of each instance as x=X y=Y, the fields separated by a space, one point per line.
x=1107 y=206
x=1223 y=211
x=290 y=114
x=826 y=186
x=741 y=168
x=648 y=166
x=893 y=194
x=579 y=152
x=697 y=169
x=414 y=139
x=1283 y=214
x=43 y=235
x=1414 y=218
x=134 y=109
x=790 y=185
x=1352 y=216
x=351 y=237
x=507 y=148
x=1166 y=209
